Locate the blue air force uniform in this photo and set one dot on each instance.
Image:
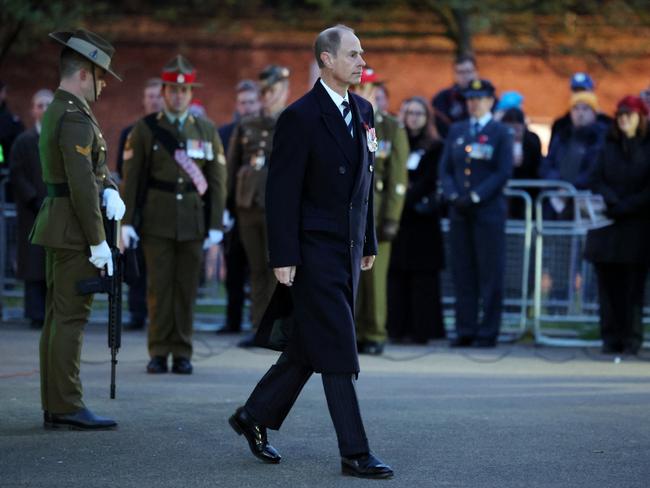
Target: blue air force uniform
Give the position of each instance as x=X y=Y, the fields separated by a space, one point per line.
x=474 y=168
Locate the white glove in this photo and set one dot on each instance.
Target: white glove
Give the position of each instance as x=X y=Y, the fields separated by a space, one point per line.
x=129 y=234
x=115 y=207
x=100 y=256
x=214 y=237
x=228 y=221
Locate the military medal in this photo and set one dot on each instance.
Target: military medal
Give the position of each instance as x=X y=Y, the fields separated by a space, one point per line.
x=371 y=138
x=383 y=149
x=209 y=152
x=195 y=149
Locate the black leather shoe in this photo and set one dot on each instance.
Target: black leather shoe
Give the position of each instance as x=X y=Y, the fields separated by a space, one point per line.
x=157 y=365
x=228 y=331
x=255 y=434
x=462 y=341
x=485 y=343
x=371 y=347
x=182 y=366
x=135 y=324
x=248 y=341
x=83 y=419
x=611 y=348
x=368 y=466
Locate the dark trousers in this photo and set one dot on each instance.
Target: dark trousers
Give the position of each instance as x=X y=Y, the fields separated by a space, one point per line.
x=414 y=305
x=277 y=391
x=34 y=301
x=477 y=268
x=620 y=291
x=138 y=290
x=236 y=265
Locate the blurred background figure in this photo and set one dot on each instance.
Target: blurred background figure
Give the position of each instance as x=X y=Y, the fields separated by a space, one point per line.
x=573 y=151
x=620 y=251
x=645 y=96
x=414 y=306
x=29 y=193
x=247 y=103
x=449 y=104
x=10 y=127
x=526 y=155
x=579 y=83
x=382 y=98
x=474 y=169
x=389 y=190
x=248 y=156
x=152 y=102
x=508 y=100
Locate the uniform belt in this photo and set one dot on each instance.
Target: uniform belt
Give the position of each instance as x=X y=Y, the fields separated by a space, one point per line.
x=168 y=186
x=57 y=190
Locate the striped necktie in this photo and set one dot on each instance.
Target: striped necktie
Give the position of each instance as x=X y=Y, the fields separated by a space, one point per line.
x=347 y=116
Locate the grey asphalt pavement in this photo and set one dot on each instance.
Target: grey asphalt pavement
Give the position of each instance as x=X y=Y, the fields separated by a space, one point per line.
x=517 y=416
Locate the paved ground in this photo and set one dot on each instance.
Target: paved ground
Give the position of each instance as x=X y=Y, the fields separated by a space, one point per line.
x=513 y=417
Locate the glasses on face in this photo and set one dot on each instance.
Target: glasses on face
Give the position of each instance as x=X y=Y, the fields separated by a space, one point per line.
x=416 y=113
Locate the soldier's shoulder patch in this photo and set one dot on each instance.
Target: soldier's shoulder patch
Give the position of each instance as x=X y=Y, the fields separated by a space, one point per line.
x=127 y=153
x=83 y=150
x=221 y=159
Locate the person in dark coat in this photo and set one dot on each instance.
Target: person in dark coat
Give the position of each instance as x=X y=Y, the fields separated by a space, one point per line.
x=449 y=104
x=573 y=152
x=321 y=233
x=526 y=156
x=10 y=127
x=620 y=251
x=474 y=168
x=29 y=193
x=247 y=102
x=414 y=307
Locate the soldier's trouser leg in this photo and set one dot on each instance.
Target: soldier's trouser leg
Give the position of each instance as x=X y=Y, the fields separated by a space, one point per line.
x=425 y=306
x=490 y=251
x=173 y=278
x=372 y=296
x=236 y=264
x=138 y=291
x=465 y=276
x=66 y=315
x=252 y=230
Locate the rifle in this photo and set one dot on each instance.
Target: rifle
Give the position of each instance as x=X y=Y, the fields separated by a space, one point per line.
x=113 y=286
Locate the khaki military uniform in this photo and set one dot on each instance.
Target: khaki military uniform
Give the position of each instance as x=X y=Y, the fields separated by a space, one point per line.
x=73 y=159
x=171 y=223
x=248 y=157
x=390 y=182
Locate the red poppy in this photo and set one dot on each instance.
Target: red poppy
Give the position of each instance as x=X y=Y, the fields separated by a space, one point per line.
x=482 y=138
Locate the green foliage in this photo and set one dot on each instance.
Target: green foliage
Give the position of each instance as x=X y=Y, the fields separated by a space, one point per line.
x=25 y=23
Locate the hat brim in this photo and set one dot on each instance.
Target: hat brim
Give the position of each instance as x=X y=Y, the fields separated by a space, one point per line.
x=63 y=37
x=478 y=94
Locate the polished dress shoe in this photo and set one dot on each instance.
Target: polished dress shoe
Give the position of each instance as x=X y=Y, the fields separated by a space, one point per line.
x=182 y=366
x=366 y=466
x=462 y=341
x=157 y=365
x=255 y=434
x=82 y=419
x=609 y=348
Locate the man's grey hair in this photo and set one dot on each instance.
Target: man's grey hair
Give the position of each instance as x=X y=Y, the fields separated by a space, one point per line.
x=42 y=93
x=329 y=41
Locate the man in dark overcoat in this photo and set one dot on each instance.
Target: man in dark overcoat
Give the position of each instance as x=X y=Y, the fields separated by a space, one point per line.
x=321 y=235
x=474 y=168
x=29 y=193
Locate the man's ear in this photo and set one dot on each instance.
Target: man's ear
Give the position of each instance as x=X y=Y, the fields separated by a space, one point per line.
x=327 y=59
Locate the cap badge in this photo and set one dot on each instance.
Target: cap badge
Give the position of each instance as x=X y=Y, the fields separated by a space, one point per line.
x=93 y=54
x=180 y=78
x=476 y=84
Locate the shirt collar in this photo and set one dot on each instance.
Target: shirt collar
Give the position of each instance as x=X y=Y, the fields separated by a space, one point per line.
x=336 y=98
x=181 y=118
x=38 y=126
x=483 y=121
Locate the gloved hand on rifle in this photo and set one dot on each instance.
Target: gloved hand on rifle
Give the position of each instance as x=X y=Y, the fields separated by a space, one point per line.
x=214 y=237
x=100 y=256
x=129 y=234
x=115 y=207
